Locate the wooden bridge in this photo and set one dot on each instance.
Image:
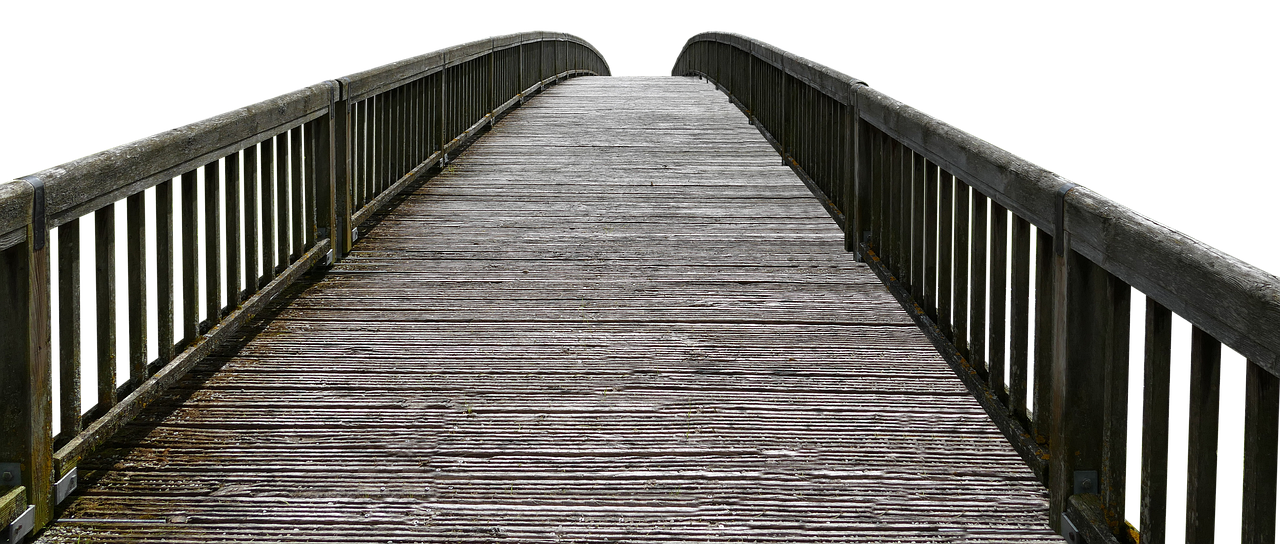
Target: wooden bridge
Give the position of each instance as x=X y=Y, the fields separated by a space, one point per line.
x=474 y=297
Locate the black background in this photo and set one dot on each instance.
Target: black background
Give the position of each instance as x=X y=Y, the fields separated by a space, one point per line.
x=1144 y=112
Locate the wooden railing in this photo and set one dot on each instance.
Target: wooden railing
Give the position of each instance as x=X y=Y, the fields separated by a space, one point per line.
x=946 y=220
x=249 y=201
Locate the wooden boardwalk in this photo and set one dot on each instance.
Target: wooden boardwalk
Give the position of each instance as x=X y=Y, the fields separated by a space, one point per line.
x=615 y=318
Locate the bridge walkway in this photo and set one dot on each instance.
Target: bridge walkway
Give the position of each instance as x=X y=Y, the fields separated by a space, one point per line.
x=615 y=317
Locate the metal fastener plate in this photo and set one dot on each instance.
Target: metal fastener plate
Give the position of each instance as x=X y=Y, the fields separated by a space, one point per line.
x=65 y=486
x=18 y=530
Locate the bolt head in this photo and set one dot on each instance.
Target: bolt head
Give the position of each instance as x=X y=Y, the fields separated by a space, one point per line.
x=7 y=476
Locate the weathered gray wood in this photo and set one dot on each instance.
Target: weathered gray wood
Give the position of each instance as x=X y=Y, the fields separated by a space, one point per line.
x=268 y=211
x=212 y=249
x=876 y=189
x=847 y=158
x=84 y=185
x=897 y=257
x=960 y=270
x=978 y=282
x=1202 y=436
x=15 y=212
x=360 y=139
x=1020 y=305
x=1115 y=403
x=97 y=433
x=1042 y=357
x=104 y=233
x=946 y=233
x=13 y=502
x=996 y=340
x=190 y=259
x=369 y=82
x=164 y=271
x=931 y=260
x=231 y=222
x=832 y=83
x=322 y=186
x=136 y=252
x=252 y=233
x=69 y=328
x=283 y=196
x=1089 y=386
x=1155 y=423
x=297 y=221
x=1233 y=301
x=1261 y=435
x=919 y=260
x=506 y=369
x=26 y=375
x=311 y=182
x=342 y=161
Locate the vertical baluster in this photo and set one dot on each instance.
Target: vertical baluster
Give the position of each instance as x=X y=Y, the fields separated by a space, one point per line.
x=282 y=202
x=920 y=290
x=251 y=232
x=295 y=193
x=946 y=225
x=961 y=256
x=269 y=206
x=978 y=282
x=1155 y=423
x=69 y=327
x=1202 y=436
x=212 y=249
x=310 y=153
x=895 y=255
x=999 y=270
x=104 y=228
x=1020 y=308
x=231 y=193
x=1261 y=432
x=381 y=144
x=190 y=260
x=1042 y=365
x=136 y=223
x=931 y=238
x=879 y=234
x=164 y=270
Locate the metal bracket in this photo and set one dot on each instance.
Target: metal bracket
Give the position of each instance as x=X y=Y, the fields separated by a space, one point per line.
x=355 y=233
x=10 y=474
x=39 y=232
x=1060 y=219
x=63 y=488
x=1086 y=482
x=1070 y=532
x=18 y=530
x=328 y=259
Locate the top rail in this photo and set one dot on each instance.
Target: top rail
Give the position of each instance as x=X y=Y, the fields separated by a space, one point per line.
x=226 y=213
x=946 y=220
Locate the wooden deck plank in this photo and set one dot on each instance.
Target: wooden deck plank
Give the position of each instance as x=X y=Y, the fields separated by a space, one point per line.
x=615 y=317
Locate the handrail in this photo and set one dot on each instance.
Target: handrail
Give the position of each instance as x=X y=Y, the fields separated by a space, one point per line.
x=912 y=194
x=283 y=183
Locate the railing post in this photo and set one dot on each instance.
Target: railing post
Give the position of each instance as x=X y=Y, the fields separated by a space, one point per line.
x=849 y=172
x=327 y=176
x=1089 y=393
x=25 y=369
x=340 y=158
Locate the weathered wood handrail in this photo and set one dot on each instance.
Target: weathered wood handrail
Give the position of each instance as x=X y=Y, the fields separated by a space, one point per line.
x=913 y=193
x=283 y=182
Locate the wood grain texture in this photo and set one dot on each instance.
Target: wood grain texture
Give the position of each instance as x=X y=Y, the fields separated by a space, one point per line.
x=615 y=317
